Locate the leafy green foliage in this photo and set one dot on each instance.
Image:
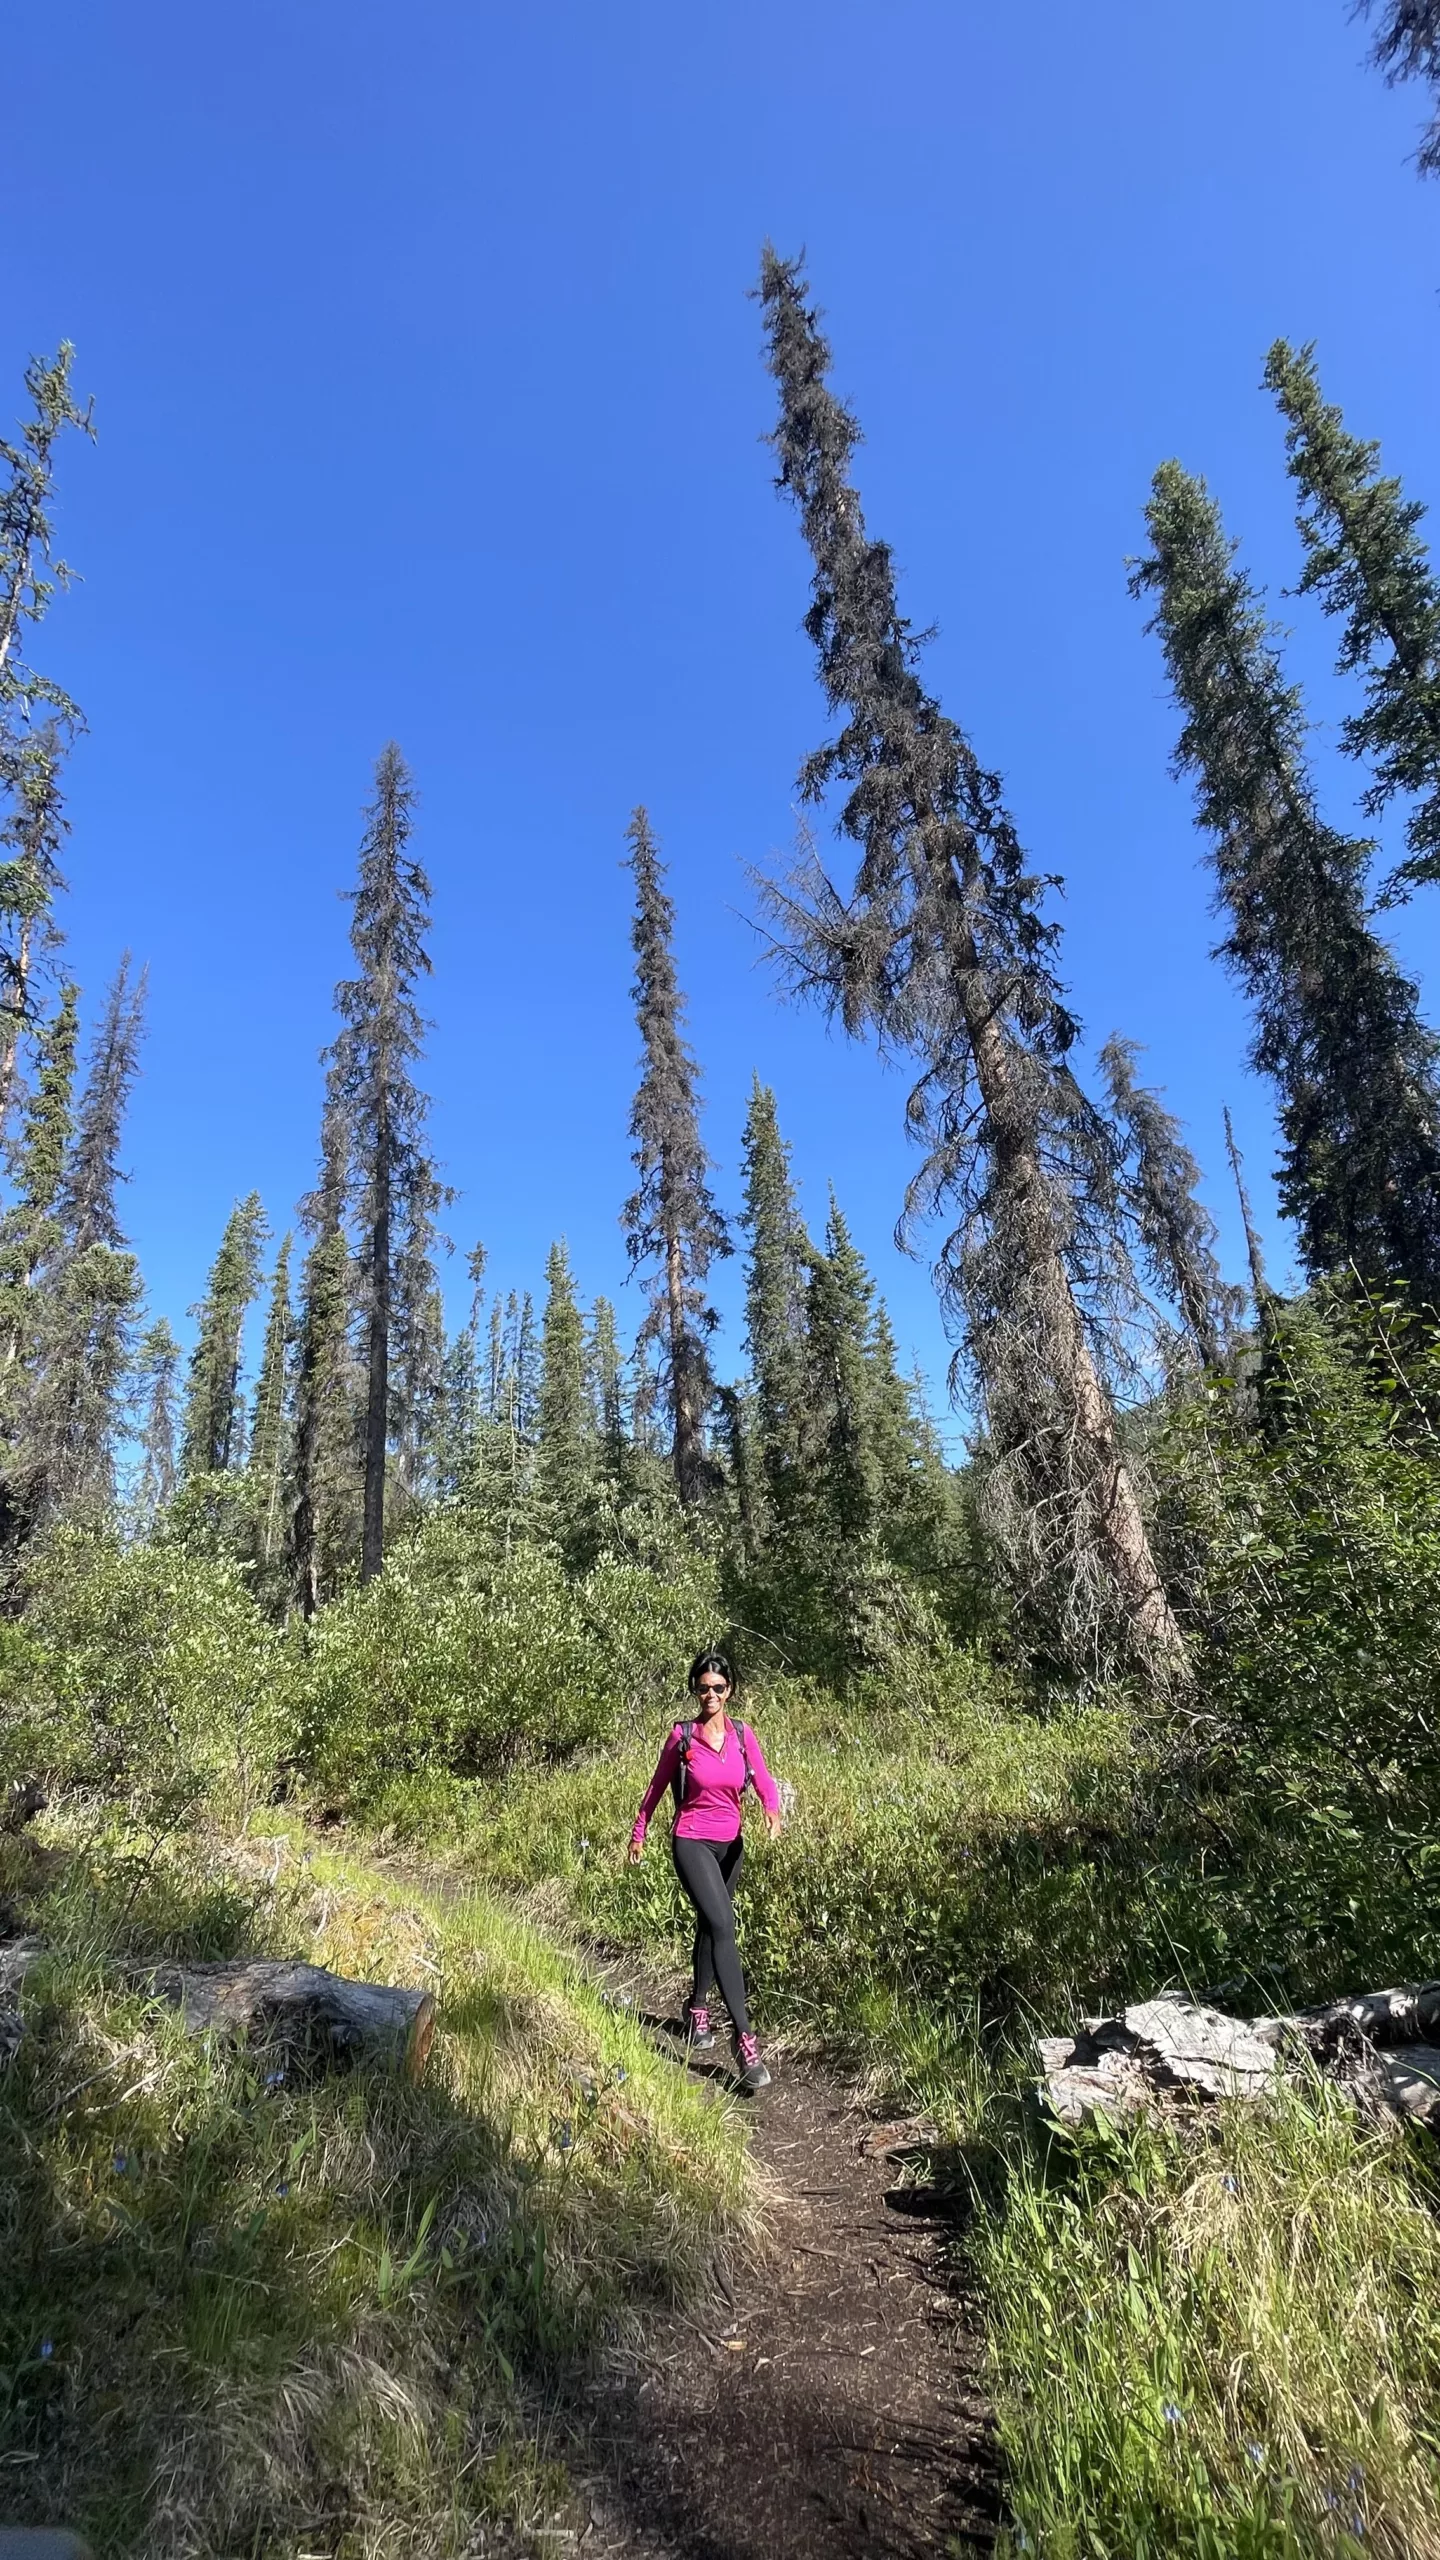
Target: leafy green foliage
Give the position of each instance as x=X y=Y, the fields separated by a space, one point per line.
x=148 y=1678
x=1311 y=1547
x=454 y=1660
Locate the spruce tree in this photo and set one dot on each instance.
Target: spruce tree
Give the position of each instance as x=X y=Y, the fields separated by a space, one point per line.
x=214 y=1425
x=326 y=1426
x=671 y=1219
x=29 y=1230
x=270 y=1415
x=417 y=1395
x=86 y=1294
x=1407 y=47
x=464 y=1399
x=606 y=1389
x=778 y=1258
x=941 y=947
x=839 y=1317
x=36 y=716
x=1176 y=1233
x=564 y=1449
x=157 y=1367
x=394 y=1187
x=1366 y=561
x=1337 y=1028
x=32 y=834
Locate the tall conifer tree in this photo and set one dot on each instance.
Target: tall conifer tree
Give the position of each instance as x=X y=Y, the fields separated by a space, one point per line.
x=29 y=1230
x=1336 y=1022
x=214 y=1427
x=87 y=1291
x=564 y=1442
x=1366 y=561
x=326 y=1432
x=941 y=946
x=777 y=1262
x=1177 y=1235
x=371 y=1082
x=36 y=716
x=270 y=1417
x=157 y=1367
x=671 y=1219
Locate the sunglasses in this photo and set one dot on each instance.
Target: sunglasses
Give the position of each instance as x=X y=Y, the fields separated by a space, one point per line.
x=711 y=1688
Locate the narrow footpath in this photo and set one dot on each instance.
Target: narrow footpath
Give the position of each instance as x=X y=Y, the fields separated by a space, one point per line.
x=838 y=2409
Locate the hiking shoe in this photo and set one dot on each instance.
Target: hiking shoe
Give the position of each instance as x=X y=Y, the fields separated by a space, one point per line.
x=751 y=2070
x=695 y=2026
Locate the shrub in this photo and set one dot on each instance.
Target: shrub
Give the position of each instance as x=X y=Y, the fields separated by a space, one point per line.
x=147 y=1674
x=1309 y=1539
x=451 y=1660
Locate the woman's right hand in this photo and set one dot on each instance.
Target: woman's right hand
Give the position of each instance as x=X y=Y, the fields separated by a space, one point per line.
x=634 y=1853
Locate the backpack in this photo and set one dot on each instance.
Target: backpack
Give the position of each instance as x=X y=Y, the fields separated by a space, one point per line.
x=686 y=1732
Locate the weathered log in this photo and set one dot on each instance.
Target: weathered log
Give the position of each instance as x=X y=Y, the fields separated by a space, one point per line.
x=305 y=2008
x=1158 y=2047
x=1162 y=2051
x=1411 y=2082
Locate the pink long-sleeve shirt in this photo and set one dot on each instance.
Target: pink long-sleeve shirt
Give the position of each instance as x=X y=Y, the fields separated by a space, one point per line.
x=714 y=1785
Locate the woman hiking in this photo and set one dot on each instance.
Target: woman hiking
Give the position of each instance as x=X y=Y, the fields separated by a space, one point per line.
x=708 y=1762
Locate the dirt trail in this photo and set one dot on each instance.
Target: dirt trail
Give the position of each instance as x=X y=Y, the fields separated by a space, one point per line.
x=839 y=2408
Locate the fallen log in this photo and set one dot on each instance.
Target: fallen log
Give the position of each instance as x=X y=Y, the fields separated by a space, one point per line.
x=260 y=2000
x=304 y=2008
x=1382 y=2047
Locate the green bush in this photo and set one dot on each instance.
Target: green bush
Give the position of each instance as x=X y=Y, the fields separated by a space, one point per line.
x=148 y=1675
x=1307 y=1537
x=452 y=1661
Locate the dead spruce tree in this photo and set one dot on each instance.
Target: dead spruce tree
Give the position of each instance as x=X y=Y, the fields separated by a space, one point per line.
x=941 y=948
x=671 y=1220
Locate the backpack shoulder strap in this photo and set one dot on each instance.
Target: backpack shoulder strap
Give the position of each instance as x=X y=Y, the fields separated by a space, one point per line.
x=743 y=1737
x=684 y=1736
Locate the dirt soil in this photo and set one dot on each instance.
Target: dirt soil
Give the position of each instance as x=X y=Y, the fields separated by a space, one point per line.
x=839 y=2408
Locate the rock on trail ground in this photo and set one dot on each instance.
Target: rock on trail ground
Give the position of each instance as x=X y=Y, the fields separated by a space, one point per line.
x=838 y=2409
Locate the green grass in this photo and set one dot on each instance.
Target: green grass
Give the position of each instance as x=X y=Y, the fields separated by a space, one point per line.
x=1225 y=2343
x=244 y=2315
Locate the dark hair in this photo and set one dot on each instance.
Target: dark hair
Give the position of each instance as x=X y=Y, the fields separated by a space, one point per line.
x=710 y=1660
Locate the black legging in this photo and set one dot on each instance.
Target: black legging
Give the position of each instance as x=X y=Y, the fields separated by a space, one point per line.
x=710 y=1870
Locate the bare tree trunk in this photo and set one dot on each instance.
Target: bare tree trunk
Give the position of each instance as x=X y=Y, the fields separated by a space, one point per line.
x=377 y=1402
x=1022 y=1205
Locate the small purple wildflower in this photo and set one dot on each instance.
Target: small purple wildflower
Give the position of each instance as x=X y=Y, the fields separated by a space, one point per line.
x=273 y=2079
x=47 y=2349
x=564 y=2137
x=1172 y=2416
x=283 y=2189
x=119 y=2164
x=1232 y=2187
x=1357 y=2527
x=1356 y=2481
x=1256 y=2453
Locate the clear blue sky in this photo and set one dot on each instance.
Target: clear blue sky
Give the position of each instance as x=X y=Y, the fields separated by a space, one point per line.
x=429 y=403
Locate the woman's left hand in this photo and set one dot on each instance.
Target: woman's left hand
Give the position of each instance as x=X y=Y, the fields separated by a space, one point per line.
x=774 y=1824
